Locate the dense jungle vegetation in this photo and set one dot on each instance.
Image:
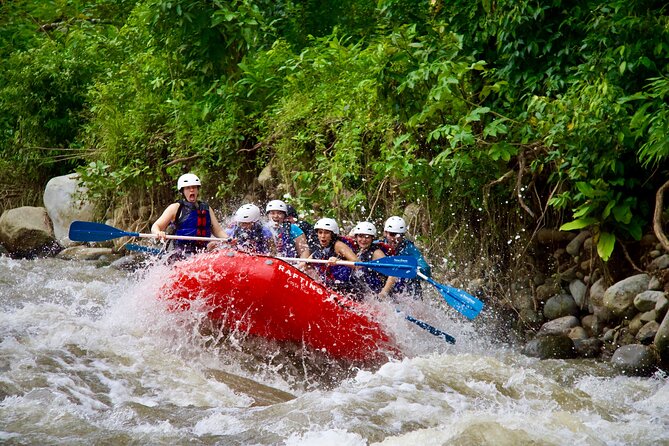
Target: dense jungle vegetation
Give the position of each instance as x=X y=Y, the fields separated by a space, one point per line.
x=490 y=118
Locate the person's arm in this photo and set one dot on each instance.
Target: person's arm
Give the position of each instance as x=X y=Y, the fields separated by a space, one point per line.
x=168 y=216
x=302 y=247
x=345 y=252
x=216 y=228
x=390 y=280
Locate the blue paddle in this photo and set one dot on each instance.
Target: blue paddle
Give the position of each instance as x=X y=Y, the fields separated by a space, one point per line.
x=86 y=231
x=429 y=328
x=463 y=302
x=396 y=266
x=144 y=249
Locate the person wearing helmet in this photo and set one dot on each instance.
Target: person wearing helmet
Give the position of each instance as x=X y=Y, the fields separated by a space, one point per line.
x=368 y=249
x=289 y=238
x=306 y=227
x=247 y=232
x=394 y=231
x=188 y=217
x=333 y=247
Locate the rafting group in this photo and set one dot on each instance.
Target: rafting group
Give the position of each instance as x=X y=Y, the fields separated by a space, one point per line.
x=283 y=234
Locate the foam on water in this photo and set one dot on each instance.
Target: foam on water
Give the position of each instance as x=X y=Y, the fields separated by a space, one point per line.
x=91 y=355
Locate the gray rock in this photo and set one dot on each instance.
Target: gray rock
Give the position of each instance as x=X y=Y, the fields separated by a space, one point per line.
x=635 y=360
x=26 y=229
x=647 y=333
x=578 y=333
x=548 y=289
x=662 y=340
x=561 y=326
x=655 y=284
x=661 y=306
x=661 y=262
x=65 y=201
x=597 y=291
x=577 y=289
x=635 y=324
x=574 y=246
x=84 y=253
x=560 y=306
x=592 y=324
x=553 y=346
x=619 y=297
x=588 y=348
x=647 y=300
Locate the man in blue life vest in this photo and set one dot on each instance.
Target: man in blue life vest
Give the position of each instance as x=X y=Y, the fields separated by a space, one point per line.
x=394 y=232
x=188 y=217
x=289 y=238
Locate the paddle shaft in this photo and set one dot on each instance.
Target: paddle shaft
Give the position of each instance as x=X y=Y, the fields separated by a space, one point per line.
x=430 y=329
x=349 y=263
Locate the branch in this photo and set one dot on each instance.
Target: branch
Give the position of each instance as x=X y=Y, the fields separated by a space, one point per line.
x=519 y=183
x=657 y=217
x=182 y=160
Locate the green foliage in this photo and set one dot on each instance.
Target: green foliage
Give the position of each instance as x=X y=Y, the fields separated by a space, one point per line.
x=362 y=107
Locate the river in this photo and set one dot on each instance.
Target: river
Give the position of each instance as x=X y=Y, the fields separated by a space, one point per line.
x=89 y=355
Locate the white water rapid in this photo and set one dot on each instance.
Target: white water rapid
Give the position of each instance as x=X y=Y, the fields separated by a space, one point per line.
x=88 y=355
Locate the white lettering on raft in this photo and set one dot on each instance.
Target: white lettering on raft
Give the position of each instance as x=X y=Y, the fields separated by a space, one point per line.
x=304 y=282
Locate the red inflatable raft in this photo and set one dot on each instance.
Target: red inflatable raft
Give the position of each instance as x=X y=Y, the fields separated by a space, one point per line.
x=268 y=297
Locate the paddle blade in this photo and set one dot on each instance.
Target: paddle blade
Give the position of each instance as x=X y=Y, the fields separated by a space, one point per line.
x=86 y=231
x=397 y=266
x=460 y=300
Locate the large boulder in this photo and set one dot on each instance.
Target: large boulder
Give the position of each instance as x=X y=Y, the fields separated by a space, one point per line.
x=619 y=297
x=65 y=201
x=556 y=346
x=662 y=340
x=635 y=359
x=26 y=231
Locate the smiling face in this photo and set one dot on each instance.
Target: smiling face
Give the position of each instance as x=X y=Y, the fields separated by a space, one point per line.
x=277 y=217
x=364 y=240
x=392 y=238
x=190 y=193
x=324 y=236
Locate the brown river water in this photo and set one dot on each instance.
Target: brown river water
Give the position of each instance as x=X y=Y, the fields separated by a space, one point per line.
x=89 y=355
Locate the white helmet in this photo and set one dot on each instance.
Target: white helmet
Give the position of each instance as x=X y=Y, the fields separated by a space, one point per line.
x=395 y=224
x=366 y=228
x=329 y=224
x=188 y=179
x=277 y=205
x=247 y=213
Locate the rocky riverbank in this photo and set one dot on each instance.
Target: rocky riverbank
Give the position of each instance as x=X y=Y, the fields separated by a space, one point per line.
x=581 y=312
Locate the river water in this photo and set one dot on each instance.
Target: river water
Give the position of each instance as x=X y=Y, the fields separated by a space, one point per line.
x=89 y=355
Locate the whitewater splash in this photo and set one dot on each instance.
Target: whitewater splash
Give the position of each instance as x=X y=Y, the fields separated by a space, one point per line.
x=88 y=355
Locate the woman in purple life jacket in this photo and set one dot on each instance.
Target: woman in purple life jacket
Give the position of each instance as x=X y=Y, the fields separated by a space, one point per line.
x=369 y=249
x=332 y=247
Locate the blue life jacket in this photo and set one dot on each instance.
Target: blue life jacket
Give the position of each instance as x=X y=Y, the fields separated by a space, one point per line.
x=192 y=220
x=411 y=286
